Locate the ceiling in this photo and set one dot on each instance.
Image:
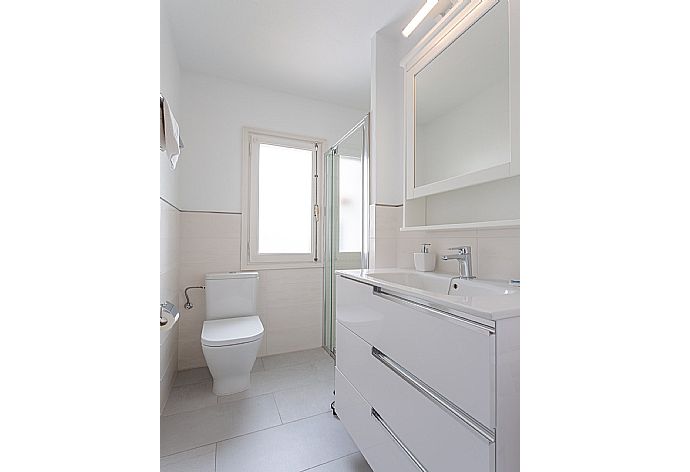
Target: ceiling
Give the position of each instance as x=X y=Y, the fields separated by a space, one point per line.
x=313 y=48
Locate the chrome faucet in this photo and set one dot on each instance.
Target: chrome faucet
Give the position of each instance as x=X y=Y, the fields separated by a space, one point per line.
x=464 y=258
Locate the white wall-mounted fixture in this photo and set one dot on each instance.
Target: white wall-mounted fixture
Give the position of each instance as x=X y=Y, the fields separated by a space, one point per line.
x=421 y=14
x=487 y=179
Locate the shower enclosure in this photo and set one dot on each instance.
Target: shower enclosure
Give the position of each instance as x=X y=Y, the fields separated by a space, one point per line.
x=346 y=200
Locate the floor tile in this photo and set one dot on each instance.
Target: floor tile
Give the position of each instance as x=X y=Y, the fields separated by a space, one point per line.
x=273 y=380
x=325 y=371
x=288 y=448
x=192 y=376
x=352 y=463
x=184 y=431
x=201 y=459
x=294 y=358
x=190 y=397
x=302 y=402
x=201 y=374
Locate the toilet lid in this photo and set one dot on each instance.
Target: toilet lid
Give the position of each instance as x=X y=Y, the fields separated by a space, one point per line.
x=229 y=331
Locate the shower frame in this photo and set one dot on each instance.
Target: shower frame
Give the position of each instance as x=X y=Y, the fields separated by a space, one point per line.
x=329 y=239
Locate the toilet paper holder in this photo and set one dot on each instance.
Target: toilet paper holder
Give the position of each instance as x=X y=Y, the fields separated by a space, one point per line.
x=170 y=308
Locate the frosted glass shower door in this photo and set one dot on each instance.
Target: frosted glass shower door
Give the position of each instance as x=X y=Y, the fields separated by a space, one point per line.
x=346 y=215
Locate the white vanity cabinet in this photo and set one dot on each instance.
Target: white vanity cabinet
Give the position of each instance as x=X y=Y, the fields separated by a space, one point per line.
x=424 y=387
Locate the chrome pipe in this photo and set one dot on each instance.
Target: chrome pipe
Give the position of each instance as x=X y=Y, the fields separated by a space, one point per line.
x=188 y=305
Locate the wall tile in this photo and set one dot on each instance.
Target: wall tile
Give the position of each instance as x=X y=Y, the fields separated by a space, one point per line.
x=405 y=250
x=498 y=233
x=372 y=221
x=289 y=303
x=385 y=250
x=169 y=220
x=168 y=285
x=191 y=322
x=193 y=273
x=209 y=250
x=499 y=258
x=412 y=235
x=495 y=252
x=166 y=386
x=388 y=221
x=169 y=280
x=169 y=252
x=168 y=349
x=294 y=339
x=210 y=225
x=190 y=353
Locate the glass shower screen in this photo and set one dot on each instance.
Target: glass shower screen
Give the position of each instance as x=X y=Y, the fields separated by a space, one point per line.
x=346 y=215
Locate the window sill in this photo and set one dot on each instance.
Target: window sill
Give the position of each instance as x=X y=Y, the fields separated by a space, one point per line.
x=281 y=265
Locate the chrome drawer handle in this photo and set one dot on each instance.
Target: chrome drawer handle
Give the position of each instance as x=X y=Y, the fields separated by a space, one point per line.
x=378 y=291
x=445 y=404
x=395 y=437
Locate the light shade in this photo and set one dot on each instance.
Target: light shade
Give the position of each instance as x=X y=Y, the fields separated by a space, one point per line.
x=421 y=14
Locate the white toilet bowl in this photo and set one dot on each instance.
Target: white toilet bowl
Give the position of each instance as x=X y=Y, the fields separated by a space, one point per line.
x=230 y=347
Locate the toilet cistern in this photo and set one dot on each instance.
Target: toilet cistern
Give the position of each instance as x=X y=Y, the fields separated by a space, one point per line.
x=464 y=258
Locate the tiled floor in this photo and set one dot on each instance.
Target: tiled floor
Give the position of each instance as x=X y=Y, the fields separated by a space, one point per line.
x=282 y=423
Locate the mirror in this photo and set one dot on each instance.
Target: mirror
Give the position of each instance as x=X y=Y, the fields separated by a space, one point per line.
x=462 y=109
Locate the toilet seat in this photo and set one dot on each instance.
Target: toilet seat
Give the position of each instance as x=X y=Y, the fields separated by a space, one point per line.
x=231 y=331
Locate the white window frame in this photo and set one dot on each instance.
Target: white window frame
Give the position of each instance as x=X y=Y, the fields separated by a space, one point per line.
x=250 y=258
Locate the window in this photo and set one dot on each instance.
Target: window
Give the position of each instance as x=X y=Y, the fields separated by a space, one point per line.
x=280 y=200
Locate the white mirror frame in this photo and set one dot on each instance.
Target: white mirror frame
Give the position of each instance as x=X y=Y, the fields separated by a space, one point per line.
x=458 y=20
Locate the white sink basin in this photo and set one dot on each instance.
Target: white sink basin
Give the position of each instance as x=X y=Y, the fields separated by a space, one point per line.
x=478 y=288
x=441 y=284
x=429 y=281
x=488 y=299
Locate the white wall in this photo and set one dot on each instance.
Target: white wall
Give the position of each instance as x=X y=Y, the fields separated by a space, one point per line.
x=169 y=215
x=214 y=112
x=387 y=136
x=170 y=88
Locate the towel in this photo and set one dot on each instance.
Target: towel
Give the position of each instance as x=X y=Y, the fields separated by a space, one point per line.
x=170 y=141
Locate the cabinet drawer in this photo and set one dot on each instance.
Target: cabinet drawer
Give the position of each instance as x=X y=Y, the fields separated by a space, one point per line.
x=432 y=430
x=452 y=356
x=381 y=452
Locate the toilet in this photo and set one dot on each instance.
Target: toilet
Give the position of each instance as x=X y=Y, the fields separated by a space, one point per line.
x=232 y=333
